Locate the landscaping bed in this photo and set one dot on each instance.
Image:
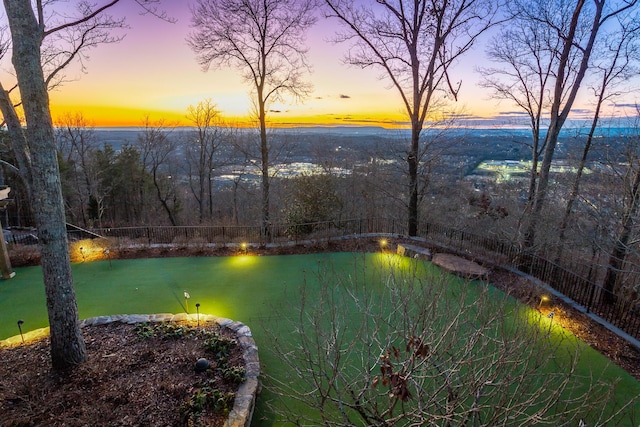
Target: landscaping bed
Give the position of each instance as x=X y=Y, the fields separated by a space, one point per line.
x=135 y=375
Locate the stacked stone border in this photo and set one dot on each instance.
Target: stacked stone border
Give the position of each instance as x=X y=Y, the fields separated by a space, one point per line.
x=242 y=412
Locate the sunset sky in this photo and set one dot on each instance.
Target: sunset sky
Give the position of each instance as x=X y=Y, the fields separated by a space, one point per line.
x=153 y=72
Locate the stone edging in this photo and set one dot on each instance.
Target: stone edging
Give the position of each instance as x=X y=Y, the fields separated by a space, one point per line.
x=242 y=412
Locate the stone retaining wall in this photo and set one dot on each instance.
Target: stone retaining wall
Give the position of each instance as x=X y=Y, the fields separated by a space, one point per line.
x=244 y=404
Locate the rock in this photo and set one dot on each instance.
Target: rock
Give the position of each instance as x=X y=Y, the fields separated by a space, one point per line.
x=202 y=365
x=460 y=266
x=413 y=251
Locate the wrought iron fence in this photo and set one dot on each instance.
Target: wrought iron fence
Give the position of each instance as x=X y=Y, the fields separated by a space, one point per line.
x=620 y=312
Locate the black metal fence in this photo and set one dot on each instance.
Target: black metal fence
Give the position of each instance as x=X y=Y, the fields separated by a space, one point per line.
x=228 y=235
x=620 y=312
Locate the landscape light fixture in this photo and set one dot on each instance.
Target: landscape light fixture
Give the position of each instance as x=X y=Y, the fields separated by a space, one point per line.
x=198 y=313
x=543 y=299
x=20 y=322
x=243 y=246
x=186 y=300
x=106 y=253
x=383 y=243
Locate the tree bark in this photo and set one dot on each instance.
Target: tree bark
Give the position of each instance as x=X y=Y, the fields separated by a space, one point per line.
x=621 y=246
x=264 y=152
x=559 y=112
x=67 y=344
x=575 y=188
x=412 y=161
x=162 y=199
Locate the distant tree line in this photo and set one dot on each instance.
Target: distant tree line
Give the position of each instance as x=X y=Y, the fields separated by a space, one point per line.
x=206 y=175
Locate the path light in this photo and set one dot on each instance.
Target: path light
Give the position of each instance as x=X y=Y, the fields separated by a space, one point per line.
x=106 y=253
x=20 y=322
x=543 y=299
x=383 y=243
x=243 y=246
x=186 y=300
x=198 y=313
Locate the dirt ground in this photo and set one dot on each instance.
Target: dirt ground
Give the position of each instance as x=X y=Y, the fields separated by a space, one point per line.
x=131 y=381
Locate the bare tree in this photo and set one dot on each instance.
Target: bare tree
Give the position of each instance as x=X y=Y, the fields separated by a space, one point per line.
x=265 y=40
x=405 y=347
x=623 y=240
x=35 y=149
x=415 y=45
x=625 y=171
x=76 y=141
x=242 y=167
x=616 y=62
x=527 y=50
x=201 y=150
x=158 y=157
x=578 y=30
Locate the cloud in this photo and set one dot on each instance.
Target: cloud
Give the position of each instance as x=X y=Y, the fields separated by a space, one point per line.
x=625 y=105
x=378 y=122
x=455 y=115
x=581 y=111
x=512 y=113
x=343 y=96
x=275 y=111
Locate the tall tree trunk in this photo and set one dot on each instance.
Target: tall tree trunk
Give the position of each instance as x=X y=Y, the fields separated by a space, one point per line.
x=201 y=192
x=235 y=202
x=18 y=138
x=533 y=175
x=559 y=112
x=67 y=344
x=264 y=151
x=210 y=193
x=575 y=188
x=533 y=178
x=162 y=199
x=412 y=161
x=201 y=176
x=551 y=141
x=620 y=248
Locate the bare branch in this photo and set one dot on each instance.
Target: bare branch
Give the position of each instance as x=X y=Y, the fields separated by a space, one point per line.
x=264 y=40
x=415 y=46
x=89 y=12
x=412 y=348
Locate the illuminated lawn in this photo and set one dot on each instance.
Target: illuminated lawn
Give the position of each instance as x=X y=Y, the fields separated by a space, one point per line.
x=255 y=290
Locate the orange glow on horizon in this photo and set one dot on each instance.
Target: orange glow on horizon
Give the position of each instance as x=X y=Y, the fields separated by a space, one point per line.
x=113 y=116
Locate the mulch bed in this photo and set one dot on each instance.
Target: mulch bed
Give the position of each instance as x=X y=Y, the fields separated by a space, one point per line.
x=617 y=349
x=128 y=380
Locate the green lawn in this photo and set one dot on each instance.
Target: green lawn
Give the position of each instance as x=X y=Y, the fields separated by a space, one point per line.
x=256 y=290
